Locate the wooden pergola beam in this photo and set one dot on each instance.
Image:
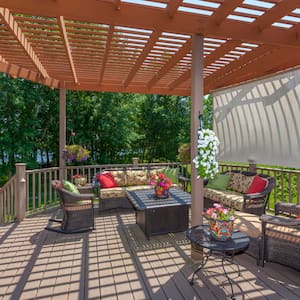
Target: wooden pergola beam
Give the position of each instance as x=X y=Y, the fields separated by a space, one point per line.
x=274 y=14
x=106 y=52
x=12 y=25
x=186 y=48
x=67 y=46
x=148 y=47
x=218 y=53
x=263 y=62
x=151 y=18
x=16 y=71
x=237 y=64
x=172 y=7
x=227 y=8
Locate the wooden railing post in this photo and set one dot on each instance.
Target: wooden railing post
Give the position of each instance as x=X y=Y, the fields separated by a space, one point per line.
x=252 y=164
x=135 y=161
x=20 y=205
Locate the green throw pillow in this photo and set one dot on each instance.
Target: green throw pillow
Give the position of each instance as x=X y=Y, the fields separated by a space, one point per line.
x=219 y=182
x=69 y=186
x=172 y=174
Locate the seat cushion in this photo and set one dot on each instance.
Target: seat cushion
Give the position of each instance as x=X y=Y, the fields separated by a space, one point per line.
x=228 y=198
x=117 y=192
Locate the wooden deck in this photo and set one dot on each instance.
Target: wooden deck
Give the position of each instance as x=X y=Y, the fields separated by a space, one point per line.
x=116 y=261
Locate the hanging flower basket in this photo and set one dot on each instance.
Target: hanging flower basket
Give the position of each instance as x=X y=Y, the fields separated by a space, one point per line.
x=75 y=153
x=205 y=161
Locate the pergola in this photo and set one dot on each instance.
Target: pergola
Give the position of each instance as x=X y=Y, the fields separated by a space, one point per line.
x=177 y=47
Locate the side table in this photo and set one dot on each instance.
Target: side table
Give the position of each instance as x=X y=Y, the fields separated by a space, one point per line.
x=200 y=236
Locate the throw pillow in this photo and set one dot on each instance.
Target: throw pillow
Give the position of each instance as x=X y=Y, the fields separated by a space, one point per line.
x=107 y=180
x=69 y=186
x=172 y=174
x=219 y=182
x=258 y=184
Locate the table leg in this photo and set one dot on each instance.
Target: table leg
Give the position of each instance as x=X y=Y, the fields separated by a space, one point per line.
x=230 y=260
x=203 y=263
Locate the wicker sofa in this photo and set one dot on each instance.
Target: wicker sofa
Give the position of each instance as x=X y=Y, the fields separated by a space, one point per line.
x=236 y=192
x=129 y=179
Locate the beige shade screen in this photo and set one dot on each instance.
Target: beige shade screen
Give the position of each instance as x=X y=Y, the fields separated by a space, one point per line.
x=260 y=121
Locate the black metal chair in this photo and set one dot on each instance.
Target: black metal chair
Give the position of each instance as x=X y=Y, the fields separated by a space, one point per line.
x=77 y=209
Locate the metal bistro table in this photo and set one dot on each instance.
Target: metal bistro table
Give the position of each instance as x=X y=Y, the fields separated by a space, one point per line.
x=200 y=237
x=160 y=216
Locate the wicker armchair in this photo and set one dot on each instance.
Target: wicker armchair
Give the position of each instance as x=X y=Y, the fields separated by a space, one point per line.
x=280 y=241
x=78 y=212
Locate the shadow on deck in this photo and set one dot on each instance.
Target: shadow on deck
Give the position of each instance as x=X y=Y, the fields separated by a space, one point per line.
x=116 y=261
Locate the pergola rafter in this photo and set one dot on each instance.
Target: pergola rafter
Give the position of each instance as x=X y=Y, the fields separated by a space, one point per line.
x=12 y=25
x=145 y=47
x=67 y=46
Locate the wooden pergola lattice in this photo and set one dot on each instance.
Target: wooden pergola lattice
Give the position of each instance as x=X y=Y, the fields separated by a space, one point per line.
x=145 y=46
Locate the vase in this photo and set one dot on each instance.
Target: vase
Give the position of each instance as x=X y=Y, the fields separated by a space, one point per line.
x=221 y=230
x=162 y=192
x=81 y=181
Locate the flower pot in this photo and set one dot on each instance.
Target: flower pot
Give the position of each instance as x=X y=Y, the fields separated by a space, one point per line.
x=80 y=181
x=221 y=230
x=161 y=192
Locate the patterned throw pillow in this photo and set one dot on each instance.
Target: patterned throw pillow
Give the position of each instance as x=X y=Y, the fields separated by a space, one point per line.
x=69 y=186
x=245 y=182
x=235 y=181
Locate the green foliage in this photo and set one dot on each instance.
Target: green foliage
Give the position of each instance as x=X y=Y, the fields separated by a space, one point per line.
x=184 y=153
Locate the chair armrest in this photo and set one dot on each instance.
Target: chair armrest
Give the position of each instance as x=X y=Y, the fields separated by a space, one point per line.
x=78 y=197
x=255 y=195
x=280 y=221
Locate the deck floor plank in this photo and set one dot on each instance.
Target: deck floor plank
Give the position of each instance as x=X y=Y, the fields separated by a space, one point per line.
x=116 y=261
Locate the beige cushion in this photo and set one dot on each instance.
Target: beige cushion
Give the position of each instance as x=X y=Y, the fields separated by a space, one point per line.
x=119 y=177
x=137 y=177
x=235 y=181
x=228 y=198
x=139 y=187
x=244 y=184
x=116 y=192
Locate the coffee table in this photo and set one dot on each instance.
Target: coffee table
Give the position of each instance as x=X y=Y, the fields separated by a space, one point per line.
x=160 y=216
x=201 y=237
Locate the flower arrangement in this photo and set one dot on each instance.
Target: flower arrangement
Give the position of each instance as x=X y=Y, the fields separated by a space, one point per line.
x=205 y=162
x=219 y=212
x=160 y=182
x=75 y=153
x=79 y=179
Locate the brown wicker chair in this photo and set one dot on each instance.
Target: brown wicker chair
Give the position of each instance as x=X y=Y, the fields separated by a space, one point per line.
x=78 y=212
x=280 y=241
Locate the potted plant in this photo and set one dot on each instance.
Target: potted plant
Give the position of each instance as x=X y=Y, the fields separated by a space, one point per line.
x=161 y=185
x=75 y=153
x=221 y=221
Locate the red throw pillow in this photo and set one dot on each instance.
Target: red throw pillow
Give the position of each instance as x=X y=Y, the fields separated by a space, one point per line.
x=107 y=180
x=258 y=184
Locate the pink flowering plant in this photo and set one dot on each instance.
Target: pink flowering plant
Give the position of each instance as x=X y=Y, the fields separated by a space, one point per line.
x=219 y=212
x=160 y=181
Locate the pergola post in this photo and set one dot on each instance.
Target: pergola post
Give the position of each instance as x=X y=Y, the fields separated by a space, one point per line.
x=62 y=132
x=197 y=189
x=197 y=108
x=20 y=205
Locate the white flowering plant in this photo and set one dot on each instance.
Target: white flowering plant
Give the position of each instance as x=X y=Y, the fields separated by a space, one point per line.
x=208 y=148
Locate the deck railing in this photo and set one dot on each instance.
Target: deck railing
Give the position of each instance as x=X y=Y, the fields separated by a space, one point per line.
x=33 y=187
x=8 y=200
